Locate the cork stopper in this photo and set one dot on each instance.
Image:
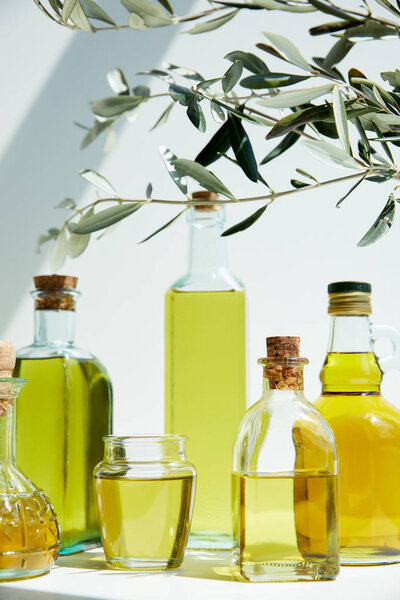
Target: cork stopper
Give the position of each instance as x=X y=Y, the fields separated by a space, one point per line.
x=55 y=282
x=52 y=292
x=283 y=366
x=208 y=197
x=7 y=359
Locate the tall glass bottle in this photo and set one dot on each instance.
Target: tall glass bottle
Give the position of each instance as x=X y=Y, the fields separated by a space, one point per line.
x=29 y=534
x=284 y=480
x=366 y=428
x=205 y=369
x=63 y=414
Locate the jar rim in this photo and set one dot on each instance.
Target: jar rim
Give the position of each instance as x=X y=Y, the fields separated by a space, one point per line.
x=140 y=439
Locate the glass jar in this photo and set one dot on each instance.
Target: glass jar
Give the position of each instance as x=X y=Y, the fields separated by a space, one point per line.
x=29 y=533
x=284 y=481
x=205 y=364
x=144 y=490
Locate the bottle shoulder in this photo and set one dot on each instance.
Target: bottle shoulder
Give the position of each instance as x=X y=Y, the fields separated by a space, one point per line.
x=38 y=351
x=372 y=408
x=219 y=280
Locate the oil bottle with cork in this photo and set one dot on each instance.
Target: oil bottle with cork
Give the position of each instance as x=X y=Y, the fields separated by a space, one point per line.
x=29 y=534
x=284 y=480
x=64 y=413
x=205 y=395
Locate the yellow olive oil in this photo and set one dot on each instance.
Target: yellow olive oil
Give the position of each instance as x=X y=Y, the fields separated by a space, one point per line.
x=29 y=538
x=62 y=415
x=205 y=398
x=285 y=526
x=367 y=434
x=144 y=521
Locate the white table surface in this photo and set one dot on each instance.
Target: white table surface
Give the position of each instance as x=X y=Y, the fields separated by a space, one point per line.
x=203 y=576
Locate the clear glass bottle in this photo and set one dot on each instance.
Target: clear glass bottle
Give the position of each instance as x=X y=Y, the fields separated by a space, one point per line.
x=205 y=395
x=366 y=428
x=29 y=534
x=144 y=490
x=284 y=480
x=68 y=400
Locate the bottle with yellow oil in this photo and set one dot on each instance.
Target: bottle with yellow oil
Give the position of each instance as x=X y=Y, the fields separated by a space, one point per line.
x=284 y=480
x=205 y=395
x=29 y=534
x=366 y=428
x=63 y=413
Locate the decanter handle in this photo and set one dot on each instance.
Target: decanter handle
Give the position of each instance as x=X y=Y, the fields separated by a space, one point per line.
x=384 y=332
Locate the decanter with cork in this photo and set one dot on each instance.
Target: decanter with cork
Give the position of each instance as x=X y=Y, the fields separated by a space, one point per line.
x=29 y=534
x=284 y=480
x=205 y=395
x=366 y=427
x=64 y=413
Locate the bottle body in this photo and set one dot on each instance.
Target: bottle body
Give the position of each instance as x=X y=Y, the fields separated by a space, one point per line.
x=29 y=533
x=144 y=490
x=205 y=394
x=284 y=492
x=205 y=397
x=69 y=399
x=367 y=434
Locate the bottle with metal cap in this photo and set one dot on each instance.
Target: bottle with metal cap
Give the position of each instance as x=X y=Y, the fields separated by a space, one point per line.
x=63 y=413
x=205 y=368
x=366 y=428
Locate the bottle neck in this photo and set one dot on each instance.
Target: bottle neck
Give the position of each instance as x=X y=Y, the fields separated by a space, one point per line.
x=54 y=327
x=207 y=252
x=7 y=429
x=350 y=334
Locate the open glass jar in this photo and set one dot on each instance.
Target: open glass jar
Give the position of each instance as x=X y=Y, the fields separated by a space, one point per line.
x=144 y=490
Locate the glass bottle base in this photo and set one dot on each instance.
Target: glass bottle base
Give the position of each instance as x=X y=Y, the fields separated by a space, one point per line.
x=80 y=546
x=369 y=556
x=209 y=540
x=143 y=564
x=285 y=571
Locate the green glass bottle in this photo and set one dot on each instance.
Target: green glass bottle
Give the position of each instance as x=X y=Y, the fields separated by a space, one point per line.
x=69 y=402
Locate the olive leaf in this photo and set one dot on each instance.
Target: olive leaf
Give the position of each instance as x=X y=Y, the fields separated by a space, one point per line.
x=331 y=10
x=93 y=11
x=217 y=112
x=106 y=217
x=382 y=224
x=163 y=117
x=94 y=132
x=184 y=72
x=205 y=178
x=351 y=190
x=169 y=158
x=242 y=148
x=67 y=9
x=330 y=154
x=246 y=223
x=59 y=252
x=168 y=224
x=236 y=112
x=115 y=105
x=98 y=180
x=77 y=244
x=79 y=18
x=288 y=49
x=296 y=98
x=135 y=22
x=279 y=5
x=196 y=115
x=213 y=24
x=232 y=76
x=339 y=112
x=152 y=15
x=181 y=94
x=67 y=203
x=250 y=61
x=271 y=80
x=110 y=141
x=338 y=51
x=389 y=7
x=288 y=141
x=219 y=144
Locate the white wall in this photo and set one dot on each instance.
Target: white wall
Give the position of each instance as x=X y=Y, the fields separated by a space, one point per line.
x=286 y=260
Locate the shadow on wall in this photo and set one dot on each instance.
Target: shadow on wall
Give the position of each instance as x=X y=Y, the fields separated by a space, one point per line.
x=40 y=164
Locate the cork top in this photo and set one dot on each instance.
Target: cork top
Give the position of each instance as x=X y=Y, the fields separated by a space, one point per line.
x=7 y=358
x=55 y=282
x=283 y=366
x=208 y=197
x=284 y=347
